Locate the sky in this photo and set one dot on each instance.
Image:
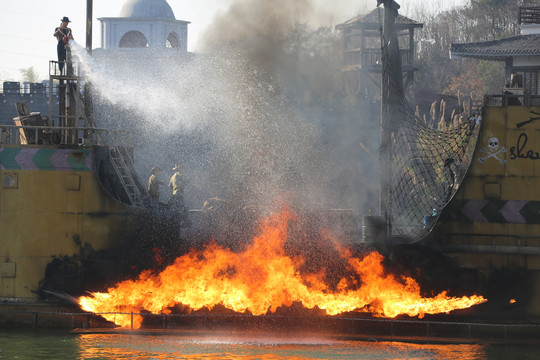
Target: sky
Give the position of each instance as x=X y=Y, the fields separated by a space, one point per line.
x=26 y=26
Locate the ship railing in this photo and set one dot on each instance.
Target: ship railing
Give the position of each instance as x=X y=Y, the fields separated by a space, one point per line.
x=63 y=135
x=372 y=329
x=70 y=70
x=512 y=97
x=372 y=57
x=529 y=15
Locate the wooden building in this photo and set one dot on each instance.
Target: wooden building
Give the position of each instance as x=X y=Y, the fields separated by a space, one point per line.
x=521 y=53
x=362 y=64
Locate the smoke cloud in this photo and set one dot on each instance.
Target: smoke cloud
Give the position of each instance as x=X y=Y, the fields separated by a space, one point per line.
x=258 y=114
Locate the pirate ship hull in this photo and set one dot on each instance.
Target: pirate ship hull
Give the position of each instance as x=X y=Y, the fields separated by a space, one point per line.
x=491 y=229
x=55 y=216
x=74 y=216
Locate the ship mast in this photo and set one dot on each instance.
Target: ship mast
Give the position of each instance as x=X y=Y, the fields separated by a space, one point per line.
x=88 y=102
x=89 y=6
x=391 y=102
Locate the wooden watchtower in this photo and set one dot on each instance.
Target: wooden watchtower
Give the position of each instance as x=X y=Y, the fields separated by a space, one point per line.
x=362 y=66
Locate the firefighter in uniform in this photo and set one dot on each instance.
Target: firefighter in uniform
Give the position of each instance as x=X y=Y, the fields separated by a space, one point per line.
x=176 y=185
x=153 y=184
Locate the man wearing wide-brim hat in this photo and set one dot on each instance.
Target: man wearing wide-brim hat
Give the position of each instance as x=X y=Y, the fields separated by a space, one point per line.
x=63 y=35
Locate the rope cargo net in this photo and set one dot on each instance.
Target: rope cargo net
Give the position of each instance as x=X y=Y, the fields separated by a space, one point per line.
x=427 y=166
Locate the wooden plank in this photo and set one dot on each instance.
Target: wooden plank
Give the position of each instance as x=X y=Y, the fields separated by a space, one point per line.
x=28 y=136
x=22 y=135
x=22 y=109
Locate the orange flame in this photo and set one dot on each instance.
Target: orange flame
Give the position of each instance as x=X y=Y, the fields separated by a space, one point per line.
x=263 y=278
x=512 y=301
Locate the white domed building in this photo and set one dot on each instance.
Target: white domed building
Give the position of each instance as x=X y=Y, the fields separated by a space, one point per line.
x=144 y=24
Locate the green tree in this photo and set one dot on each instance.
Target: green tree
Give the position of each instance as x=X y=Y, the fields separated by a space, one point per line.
x=467 y=83
x=29 y=74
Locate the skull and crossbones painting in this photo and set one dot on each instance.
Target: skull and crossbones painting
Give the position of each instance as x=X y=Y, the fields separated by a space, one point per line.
x=492 y=150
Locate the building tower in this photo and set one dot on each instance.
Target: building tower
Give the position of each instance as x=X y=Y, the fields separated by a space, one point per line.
x=362 y=55
x=144 y=24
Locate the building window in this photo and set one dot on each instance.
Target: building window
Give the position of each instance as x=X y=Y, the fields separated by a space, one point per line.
x=133 y=39
x=530 y=80
x=173 y=41
x=11 y=181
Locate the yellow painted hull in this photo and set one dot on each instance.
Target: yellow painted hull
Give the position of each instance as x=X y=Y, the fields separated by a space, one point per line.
x=50 y=211
x=492 y=226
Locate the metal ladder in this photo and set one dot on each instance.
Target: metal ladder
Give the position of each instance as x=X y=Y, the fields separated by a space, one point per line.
x=124 y=167
x=80 y=108
x=120 y=157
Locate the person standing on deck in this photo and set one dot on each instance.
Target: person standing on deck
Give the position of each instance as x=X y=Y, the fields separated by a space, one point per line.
x=63 y=35
x=176 y=185
x=153 y=184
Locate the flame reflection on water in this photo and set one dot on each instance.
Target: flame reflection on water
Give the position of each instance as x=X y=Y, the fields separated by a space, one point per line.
x=59 y=345
x=107 y=346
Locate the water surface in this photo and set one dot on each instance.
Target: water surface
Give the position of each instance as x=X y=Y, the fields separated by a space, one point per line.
x=62 y=345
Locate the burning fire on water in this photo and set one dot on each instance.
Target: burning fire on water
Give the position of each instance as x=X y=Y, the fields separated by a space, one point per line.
x=262 y=278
